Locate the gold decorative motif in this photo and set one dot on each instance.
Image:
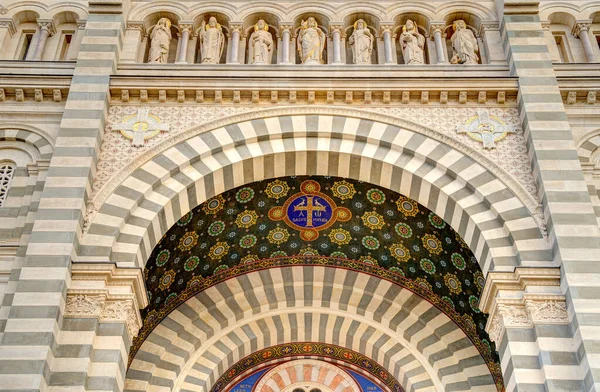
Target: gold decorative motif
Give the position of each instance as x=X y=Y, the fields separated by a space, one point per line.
x=343 y=190
x=141 y=127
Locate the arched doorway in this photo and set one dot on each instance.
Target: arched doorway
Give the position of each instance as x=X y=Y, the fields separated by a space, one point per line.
x=312 y=260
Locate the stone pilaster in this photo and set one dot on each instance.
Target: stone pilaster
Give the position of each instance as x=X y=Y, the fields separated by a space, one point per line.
x=527 y=311
x=133 y=39
x=101 y=319
x=36 y=322
x=7 y=30
x=490 y=34
x=568 y=211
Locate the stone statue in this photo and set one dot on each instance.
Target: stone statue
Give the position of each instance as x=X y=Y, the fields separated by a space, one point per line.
x=464 y=45
x=213 y=41
x=412 y=43
x=261 y=44
x=311 y=42
x=160 y=42
x=361 y=42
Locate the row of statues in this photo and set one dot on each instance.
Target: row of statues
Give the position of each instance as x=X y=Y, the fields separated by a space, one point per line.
x=311 y=43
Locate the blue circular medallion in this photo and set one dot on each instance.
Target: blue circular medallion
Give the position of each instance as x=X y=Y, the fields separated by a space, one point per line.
x=309 y=211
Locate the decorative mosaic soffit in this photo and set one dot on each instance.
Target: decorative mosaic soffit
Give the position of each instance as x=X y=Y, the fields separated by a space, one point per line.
x=315 y=220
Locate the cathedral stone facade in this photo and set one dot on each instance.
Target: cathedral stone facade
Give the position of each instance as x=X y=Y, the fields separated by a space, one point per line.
x=299 y=196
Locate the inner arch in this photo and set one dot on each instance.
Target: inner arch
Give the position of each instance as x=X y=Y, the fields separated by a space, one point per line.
x=314 y=221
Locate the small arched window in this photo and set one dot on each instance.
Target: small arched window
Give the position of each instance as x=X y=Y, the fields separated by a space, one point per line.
x=7 y=170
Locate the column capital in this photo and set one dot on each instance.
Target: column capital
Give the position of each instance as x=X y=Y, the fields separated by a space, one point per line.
x=81 y=24
x=580 y=26
x=522 y=298
x=546 y=25
x=108 y=293
x=235 y=26
x=385 y=28
x=185 y=26
x=339 y=27
x=286 y=26
x=437 y=26
x=47 y=25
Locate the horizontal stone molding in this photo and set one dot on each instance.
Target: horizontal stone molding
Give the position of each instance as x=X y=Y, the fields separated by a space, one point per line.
x=522 y=299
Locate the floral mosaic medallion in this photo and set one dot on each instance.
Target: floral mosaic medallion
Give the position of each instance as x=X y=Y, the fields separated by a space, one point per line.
x=342 y=222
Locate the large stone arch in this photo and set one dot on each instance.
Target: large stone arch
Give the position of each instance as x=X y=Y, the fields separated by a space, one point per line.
x=415 y=341
x=483 y=203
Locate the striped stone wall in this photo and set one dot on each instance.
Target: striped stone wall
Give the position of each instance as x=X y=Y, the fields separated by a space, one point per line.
x=567 y=356
x=31 y=357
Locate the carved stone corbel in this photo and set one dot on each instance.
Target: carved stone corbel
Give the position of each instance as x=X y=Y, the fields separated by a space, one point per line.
x=107 y=293
x=522 y=299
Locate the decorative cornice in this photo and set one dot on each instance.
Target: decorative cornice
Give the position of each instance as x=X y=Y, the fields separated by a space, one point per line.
x=108 y=293
x=517 y=280
x=522 y=298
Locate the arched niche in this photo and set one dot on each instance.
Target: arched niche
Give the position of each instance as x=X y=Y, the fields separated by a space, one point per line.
x=323 y=22
x=422 y=22
x=564 y=47
x=25 y=38
x=223 y=20
x=270 y=19
x=373 y=24
x=473 y=23
x=150 y=22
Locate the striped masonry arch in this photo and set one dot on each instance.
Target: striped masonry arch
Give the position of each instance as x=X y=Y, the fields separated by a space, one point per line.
x=311 y=373
x=200 y=340
x=477 y=198
x=588 y=152
x=22 y=135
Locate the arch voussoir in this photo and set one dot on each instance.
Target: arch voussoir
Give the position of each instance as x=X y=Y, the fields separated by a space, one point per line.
x=488 y=210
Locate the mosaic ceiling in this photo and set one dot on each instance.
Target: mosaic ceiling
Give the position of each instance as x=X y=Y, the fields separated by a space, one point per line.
x=324 y=220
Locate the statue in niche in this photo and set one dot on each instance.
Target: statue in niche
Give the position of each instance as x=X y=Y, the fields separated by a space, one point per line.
x=412 y=43
x=160 y=40
x=261 y=44
x=464 y=45
x=311 y=42
x=212 y=41
x=361 y=42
